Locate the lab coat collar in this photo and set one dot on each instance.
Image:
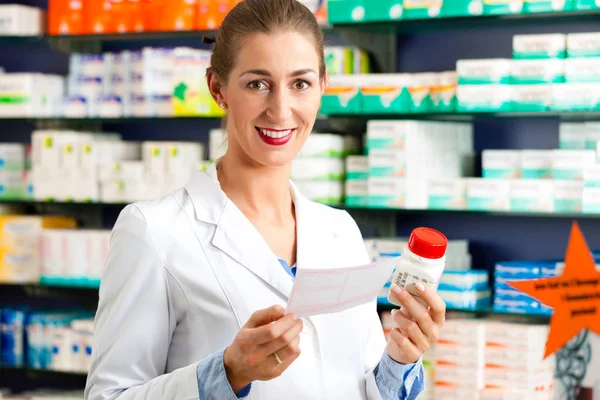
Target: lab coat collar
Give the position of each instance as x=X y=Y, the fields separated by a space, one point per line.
x=238 y=238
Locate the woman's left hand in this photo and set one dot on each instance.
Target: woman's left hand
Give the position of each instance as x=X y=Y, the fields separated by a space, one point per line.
x=416 y=327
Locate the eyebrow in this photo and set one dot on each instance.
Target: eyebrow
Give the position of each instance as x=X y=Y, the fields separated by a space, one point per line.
x=266 y=73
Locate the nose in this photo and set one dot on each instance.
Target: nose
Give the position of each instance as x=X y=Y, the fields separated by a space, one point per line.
x=280 y=105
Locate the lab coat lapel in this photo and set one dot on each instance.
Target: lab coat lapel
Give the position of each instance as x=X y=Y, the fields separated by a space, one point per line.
x=234 y=234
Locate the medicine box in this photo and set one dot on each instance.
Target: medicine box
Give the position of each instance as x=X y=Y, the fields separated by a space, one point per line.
x=458 y=379
x=488 y=194
x=591 y=190
x=576 y=96
x=502 y=7
x=547 y=6
x=484 y=98
x=582 y=69
x=447 y=194
x=584 y=5
x=342 y=95
x=464 y=280
x=444 y=93
x=484 y=71
x=357 y=167
x=322 y=145
x=536 y=164
x=583 y=45
x=532 y=195
x=317 y=169
x=20 y=20
x=592 y=135
x=422 y=9
x=340 y=60
x=386 y=93
x=568 y=196
x=538 y=71
x=348 y=11
x=462 y=8
x=532 y=98
x=500 y=164
x=387 y=162
x=388 y=134
x=467 y=300
x=387 y=192
x=326 y=192
x=217 y=144
x=535 y=47
x=12 y=157
x=572 y=136
x=569 y=164
x=357 y=193
x=420 y=89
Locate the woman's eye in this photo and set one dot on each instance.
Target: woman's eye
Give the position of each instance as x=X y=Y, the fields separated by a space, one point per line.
x=257 y=85
x=301 y=85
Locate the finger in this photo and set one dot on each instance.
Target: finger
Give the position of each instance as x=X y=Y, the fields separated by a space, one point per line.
x=265 y=316
x=415 y=310
x=411 y=330
x=284 y=340
x=287 y=356
x=408 y=349
x=267 y=333
x=437 y=306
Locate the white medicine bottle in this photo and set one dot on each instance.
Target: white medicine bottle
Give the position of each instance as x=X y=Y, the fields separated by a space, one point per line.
x=423 y=260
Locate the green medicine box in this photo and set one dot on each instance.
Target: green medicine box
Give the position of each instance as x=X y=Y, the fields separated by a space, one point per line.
x=385 y=10
x=422 y=9
x=462 y=8
x=484 y=98
x=420 y=91
x=547 y=6
x=346 y=11
x=342 y=95
x=585 y=5
x=531 y=98
x=502 y=7
x=385 y=93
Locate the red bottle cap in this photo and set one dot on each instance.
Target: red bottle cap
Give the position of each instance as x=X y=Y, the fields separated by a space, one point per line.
x=427 y=243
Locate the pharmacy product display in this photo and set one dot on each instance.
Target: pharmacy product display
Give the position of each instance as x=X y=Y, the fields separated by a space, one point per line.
x=20 y=260
x=360 y=11
x=79 y=166
x=319 y=168
x=58 y=341
x=31 y=95
x=72 y=17
x=554 y=72
x=15 y=171
x=21 y=20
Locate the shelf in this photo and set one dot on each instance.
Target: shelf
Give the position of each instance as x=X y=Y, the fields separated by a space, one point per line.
x=569 y=215
x=468 y=23
x=18 y=40
x=456 y=116
x=124 y=120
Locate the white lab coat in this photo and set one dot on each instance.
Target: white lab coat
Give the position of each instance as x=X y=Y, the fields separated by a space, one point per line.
x=185 y=272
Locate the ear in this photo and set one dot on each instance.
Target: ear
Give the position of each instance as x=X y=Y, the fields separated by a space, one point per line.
x=216 y=88
x=324 y=83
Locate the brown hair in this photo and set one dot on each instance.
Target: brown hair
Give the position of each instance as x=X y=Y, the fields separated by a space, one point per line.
x=262 y=16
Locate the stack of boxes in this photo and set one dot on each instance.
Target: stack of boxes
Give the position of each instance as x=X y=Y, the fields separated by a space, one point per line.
x=20 y=245
x=510 y=300
x=152 y=82
x=319 y=169
x=31 y=95
x=357 y=11
x=13 y=171
x=20 y=20
x=514 y=362
x=405 y=155
x=391 y=93
x=459 y=360
x=73 y=257
x=76 y=166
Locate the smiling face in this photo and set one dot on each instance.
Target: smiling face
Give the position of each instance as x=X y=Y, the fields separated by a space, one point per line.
x=272 y=95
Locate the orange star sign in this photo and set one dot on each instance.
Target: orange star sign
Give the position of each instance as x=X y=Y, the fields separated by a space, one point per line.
x=574 y=296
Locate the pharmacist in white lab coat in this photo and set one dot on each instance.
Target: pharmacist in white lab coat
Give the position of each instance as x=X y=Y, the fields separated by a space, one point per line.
x=193 y=295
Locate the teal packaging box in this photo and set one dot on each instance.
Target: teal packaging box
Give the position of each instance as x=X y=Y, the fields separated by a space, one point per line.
x=536 y=47
x=342 y=95
x=462 y=8
x=386 y=93
x=502 y=7
x=422 y=9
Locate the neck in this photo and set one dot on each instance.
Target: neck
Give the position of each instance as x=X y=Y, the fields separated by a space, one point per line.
x=256 y=188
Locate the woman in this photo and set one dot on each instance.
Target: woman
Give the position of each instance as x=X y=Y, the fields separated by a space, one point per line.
x=192 y=299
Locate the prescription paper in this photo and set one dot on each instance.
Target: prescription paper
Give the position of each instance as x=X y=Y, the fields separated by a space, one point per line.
x=322 y=291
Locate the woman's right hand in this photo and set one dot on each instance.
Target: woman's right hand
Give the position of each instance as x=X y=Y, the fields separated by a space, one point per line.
x=251 y=355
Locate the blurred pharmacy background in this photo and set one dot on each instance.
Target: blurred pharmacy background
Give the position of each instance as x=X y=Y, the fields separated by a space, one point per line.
x=479 y=118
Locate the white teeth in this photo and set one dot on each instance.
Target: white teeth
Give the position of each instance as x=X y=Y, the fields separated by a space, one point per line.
x=275 y=134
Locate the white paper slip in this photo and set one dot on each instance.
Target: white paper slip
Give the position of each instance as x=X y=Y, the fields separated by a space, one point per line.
x=322 y=291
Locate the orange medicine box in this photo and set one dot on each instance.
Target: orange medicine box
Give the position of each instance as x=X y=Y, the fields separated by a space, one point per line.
x=178 y=15
x=97 y=15
x=119 y=17
x=137 y=20
x=65 y=17
x=151 y=12
x=211 y=13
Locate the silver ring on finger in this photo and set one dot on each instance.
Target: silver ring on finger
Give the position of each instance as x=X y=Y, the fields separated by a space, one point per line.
x=277 y=358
